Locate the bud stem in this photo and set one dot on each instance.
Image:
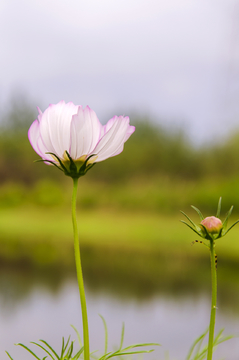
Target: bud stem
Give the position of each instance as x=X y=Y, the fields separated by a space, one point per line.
x=79 y=274
x=214 y=301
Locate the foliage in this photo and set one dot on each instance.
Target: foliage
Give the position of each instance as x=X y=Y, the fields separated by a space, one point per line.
x=68 y=347
x=196 y=351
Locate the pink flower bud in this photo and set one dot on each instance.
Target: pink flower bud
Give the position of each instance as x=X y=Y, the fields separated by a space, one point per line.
x=212 y=224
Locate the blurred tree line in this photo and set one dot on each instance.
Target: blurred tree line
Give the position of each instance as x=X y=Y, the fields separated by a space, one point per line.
x=153 y=155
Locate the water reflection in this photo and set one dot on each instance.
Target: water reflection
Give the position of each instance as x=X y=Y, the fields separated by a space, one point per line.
x=173 y=310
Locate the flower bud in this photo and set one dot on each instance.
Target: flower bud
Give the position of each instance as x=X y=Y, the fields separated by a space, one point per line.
x=212 y=224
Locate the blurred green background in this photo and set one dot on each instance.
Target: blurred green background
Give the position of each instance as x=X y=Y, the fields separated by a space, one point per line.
x=129 y=201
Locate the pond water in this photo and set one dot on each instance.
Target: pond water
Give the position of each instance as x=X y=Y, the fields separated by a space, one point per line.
x=33 y=307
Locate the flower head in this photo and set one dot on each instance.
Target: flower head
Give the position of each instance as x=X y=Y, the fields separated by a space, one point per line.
x=212 y=224
x=210 y=228
x=73 y=139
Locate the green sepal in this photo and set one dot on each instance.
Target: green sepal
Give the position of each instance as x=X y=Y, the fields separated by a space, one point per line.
x=230 y=227
x=73 y=167
x=188 y=219
x=219 y=207
x=74 y=173
x=51 y=162
x=207 y=236
x=59 y=160
x=184 y=222
x=220 y=234
x=198 y=211
x=226 y=220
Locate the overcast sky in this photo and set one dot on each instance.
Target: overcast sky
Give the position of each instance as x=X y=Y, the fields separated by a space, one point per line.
x=174 y=60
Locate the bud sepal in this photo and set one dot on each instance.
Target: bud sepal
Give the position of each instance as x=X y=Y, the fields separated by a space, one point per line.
x=210 y=228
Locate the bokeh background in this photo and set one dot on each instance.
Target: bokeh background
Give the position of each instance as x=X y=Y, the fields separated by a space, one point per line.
x=172 y=66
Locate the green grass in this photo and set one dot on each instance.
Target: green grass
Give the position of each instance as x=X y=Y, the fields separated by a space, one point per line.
x=123 y=252
x=146 y=231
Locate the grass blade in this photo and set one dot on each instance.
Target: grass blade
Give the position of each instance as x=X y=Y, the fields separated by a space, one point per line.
x=106 y=333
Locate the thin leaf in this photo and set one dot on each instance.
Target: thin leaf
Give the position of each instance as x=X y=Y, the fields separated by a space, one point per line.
x=78 y=354
x=218 y=336
x=104 y=356
x=225 y=339
x=62 y=347
x=199 y=212
x=227 y=217
x=231 y=227
x=9 y=355
x=44 y=342
x=30 y=351
x=68 y=340
x=106 y=333
x=43 y=349
x=78 y=335
x=189 y=219
x=70 y=350
x=140 y=345
x=184 y=222
x=122 y=336
x=201 y=337
x=219 y=207
x=129 y=353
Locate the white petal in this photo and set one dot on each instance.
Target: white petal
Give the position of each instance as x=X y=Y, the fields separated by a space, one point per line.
x=117 y=131
x=55 y=127
x=85 y=132
x=36 y=141
x=131 y=130
x=33 y=136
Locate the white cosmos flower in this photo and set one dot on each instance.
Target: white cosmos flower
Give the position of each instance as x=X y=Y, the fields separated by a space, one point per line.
x=69 y=137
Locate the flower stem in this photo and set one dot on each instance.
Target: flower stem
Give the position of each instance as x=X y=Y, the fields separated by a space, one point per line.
x=79 y=274
x=214 y=301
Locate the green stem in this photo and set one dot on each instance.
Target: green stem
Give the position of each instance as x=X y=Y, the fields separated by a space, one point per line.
x=80 y=275
x=214 y=301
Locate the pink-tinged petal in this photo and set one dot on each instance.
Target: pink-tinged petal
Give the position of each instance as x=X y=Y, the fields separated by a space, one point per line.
x=117 y=131
x=121 y=148
x=33 y=135
x=36 y=141
x=55 y=127
x=40 y=114
x=85 y=132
